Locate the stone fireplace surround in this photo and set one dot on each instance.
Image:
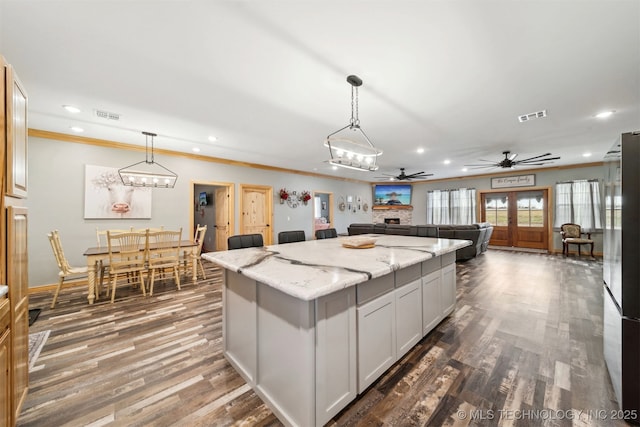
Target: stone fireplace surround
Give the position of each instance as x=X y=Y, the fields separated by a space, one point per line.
x=405 y=215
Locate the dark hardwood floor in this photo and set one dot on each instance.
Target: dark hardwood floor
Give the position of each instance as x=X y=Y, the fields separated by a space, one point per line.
x=523 y=348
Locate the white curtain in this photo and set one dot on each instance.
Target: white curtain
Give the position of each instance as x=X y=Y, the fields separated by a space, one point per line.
x=456 y=206
x=579 y=202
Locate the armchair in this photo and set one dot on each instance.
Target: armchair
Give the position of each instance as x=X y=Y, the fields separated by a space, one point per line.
x=572 y=235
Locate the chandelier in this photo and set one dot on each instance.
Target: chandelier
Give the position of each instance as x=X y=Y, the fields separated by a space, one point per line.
x=148 y=173
x=349 y=147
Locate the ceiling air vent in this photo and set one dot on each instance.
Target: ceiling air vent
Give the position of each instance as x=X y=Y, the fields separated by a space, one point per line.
x=531 y=116
x=107 y=115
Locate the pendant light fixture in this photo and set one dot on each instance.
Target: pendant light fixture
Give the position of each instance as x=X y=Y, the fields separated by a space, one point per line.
x=148 y=173
x=349 y=147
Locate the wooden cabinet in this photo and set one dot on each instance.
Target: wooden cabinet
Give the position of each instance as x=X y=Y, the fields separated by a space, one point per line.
x=5 y=365
x=14 y=341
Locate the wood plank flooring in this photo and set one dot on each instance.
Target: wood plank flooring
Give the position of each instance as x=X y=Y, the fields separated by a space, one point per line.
x=523 y=347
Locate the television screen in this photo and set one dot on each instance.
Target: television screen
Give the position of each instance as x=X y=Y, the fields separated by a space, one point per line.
x=203 y=199
x=392 y=194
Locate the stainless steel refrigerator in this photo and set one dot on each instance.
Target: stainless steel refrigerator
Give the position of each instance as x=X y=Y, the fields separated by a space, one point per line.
x=621 y=269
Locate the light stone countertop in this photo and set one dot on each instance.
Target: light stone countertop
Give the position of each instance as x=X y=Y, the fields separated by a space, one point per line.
x=314 y=268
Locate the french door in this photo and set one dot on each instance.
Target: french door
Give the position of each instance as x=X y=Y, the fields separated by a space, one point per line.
x=520 y=218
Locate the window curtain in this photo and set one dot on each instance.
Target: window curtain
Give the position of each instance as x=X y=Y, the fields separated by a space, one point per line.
x=579 y=202
x=457 y=206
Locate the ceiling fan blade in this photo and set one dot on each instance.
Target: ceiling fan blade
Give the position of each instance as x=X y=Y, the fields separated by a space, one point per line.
x=513 y=156
x=414 y=174
x=528 y=161
x=493 y=164
x=535 y=157
x=482 y=166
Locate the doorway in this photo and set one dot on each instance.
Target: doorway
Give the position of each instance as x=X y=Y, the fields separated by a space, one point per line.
x=213 y=206
x=322 y=211
x=520 y=219
x=256 y=206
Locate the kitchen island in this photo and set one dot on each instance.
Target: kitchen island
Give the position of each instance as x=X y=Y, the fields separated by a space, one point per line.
x=310 y=325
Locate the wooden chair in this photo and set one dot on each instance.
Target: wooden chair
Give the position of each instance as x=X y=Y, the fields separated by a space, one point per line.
x=151 y=229
x=189 y=257
x=127 y=257
x=572 y=235
x=66 y=271
x=241 y=241
x=101 y=238
x=163 y=252
x=291 y=236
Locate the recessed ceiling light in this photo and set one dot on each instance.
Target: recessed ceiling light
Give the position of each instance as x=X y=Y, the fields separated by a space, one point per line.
x=195 y=149
x=464 y=169
x=604 y=114
x=71 y=108
x=76 y=129
x=586 y=155
x=212 y=138
x=335 y=168
x=420 y=150
x=446 y=162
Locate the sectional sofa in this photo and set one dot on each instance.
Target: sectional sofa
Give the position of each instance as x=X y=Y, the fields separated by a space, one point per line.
x=478 y=233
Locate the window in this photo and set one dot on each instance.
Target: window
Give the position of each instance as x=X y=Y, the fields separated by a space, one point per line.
x=456 y=206
x=578 y=202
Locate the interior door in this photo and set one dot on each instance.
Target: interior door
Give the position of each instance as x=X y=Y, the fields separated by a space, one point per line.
x=519 y=218
x=256 y=207
x=222 y=218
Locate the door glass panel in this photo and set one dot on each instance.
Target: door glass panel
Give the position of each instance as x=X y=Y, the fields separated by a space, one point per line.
x=530 y=209
x=496 y=209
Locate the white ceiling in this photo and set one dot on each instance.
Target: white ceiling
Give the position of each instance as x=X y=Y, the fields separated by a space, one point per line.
x=268 y=78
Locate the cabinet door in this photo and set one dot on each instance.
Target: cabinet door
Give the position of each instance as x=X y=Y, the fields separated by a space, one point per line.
x=5 y=367
x=336 y=371
x=431 y=301
x=16 y=122
x=408 y=316
x=376 y=339
x=18 y=302
x=448 y=289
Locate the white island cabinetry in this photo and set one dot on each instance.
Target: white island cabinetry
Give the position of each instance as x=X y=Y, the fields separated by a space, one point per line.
x=310 y=325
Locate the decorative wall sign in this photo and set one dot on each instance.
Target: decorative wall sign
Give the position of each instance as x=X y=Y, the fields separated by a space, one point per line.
x=513 y=181
x=106 y=197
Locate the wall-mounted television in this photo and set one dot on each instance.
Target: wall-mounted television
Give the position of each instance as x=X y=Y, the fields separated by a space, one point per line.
x=391 y=194
x=203 y=199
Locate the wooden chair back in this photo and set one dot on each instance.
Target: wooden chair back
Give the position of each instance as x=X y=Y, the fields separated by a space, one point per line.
x=58 y=252
x=201 y=230
x=101 y=235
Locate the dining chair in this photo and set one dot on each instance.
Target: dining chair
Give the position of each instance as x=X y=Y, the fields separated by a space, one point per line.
x=327 y=233
x=66 y=270
x=190 y=257
x=241 y=241
x=151 y=229
x=291 y=236
x=102 y=266
x=163 y=253
x=127 y=257
x=572 y=235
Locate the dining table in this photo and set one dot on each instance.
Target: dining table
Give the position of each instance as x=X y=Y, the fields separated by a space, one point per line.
x=101 y=253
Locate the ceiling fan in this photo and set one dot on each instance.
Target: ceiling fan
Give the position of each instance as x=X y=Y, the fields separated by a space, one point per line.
x=510 y=161
x=404 y=177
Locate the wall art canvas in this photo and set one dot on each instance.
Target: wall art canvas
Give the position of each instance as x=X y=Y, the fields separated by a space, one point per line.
x=105 y=197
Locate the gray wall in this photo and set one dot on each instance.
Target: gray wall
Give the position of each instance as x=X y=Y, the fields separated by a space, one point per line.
x=56 y=198
x=544 y=178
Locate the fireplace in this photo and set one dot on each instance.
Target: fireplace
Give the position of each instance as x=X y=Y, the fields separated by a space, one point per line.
x=392 y=220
